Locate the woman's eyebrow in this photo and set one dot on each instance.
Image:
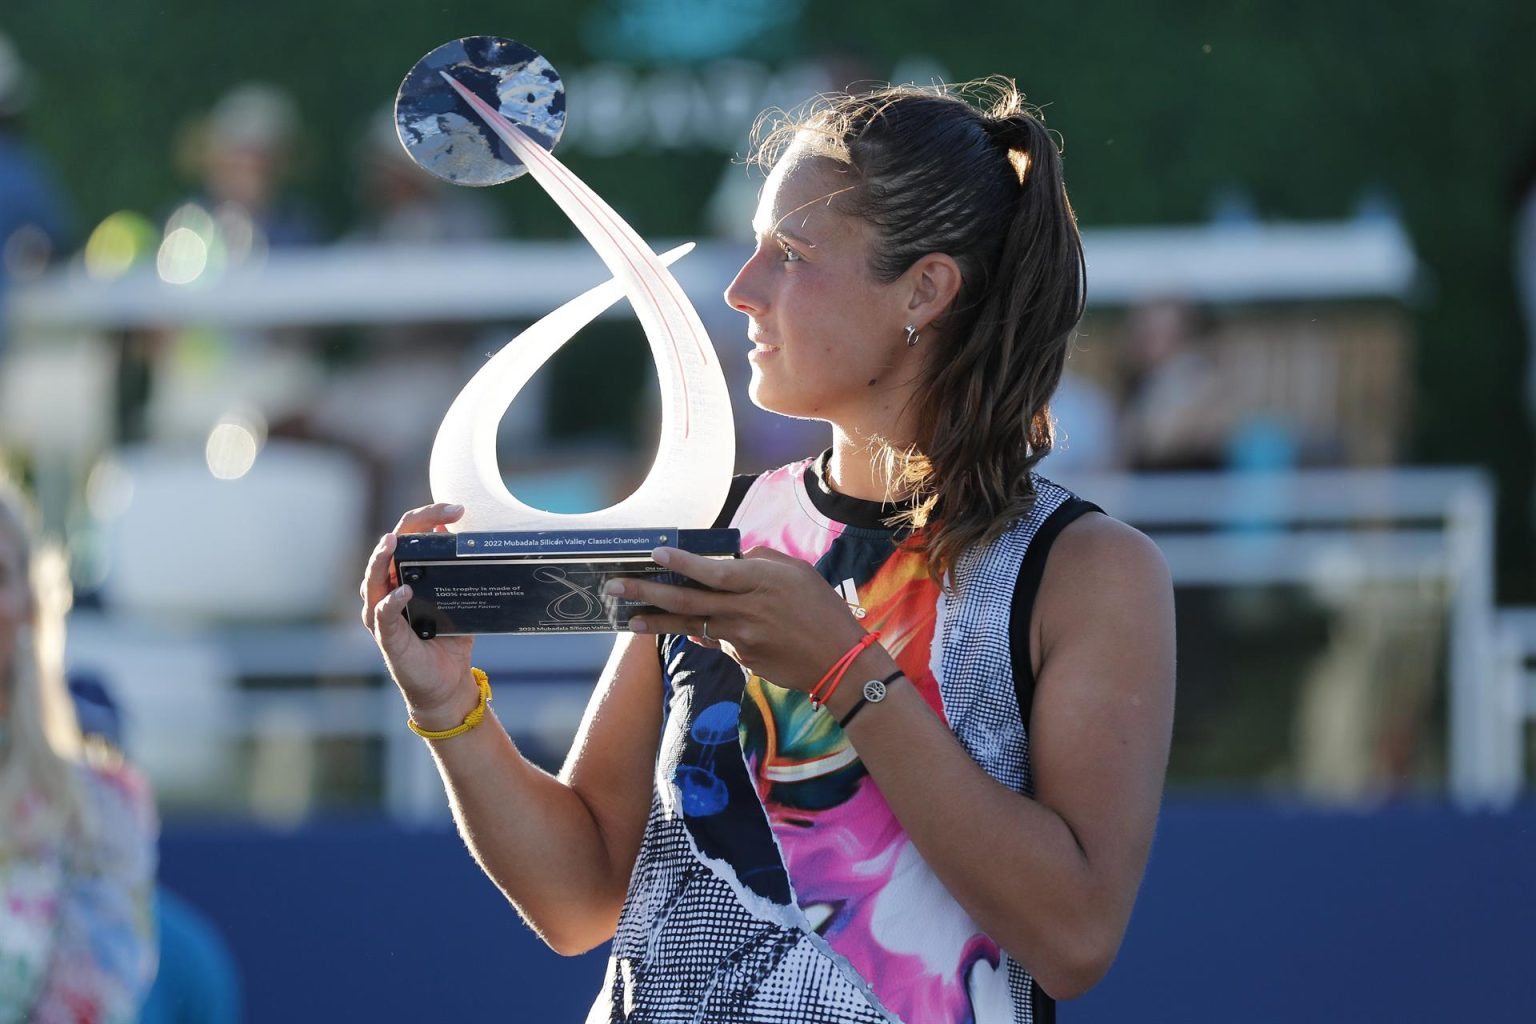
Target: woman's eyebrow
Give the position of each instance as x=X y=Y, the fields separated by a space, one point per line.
x=790 y=236
x=778 y=232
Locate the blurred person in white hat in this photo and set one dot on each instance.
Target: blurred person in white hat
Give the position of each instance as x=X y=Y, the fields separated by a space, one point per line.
x=242 y=153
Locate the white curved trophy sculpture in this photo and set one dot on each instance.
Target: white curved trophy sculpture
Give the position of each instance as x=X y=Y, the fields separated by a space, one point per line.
x=480 y=111
x=688 y=481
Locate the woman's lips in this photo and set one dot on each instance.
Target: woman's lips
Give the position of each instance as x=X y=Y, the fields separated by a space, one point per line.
x=761 y=349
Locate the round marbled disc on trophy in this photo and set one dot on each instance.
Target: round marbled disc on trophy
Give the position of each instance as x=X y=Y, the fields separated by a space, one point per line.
x=481 y=111
x=447 y=139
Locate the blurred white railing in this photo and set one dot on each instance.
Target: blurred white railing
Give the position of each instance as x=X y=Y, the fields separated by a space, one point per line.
x=368 y=284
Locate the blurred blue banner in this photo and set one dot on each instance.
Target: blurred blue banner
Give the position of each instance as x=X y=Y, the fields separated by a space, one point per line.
x=1249 y=913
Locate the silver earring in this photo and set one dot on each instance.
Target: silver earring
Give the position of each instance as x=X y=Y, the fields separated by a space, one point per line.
x=912 y=336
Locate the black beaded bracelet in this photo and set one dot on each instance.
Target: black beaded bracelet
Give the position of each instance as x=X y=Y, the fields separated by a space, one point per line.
x=873 y=693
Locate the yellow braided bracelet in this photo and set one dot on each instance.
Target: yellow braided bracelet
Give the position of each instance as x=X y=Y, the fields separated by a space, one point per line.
x=471 y=720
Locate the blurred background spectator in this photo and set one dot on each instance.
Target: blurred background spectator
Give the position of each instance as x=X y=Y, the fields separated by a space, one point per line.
x=181 y=381
x=196 y=979
x=1176 y=413
x=34 y=222
x=77 y=825
x=1086 y=426
x=241 y=154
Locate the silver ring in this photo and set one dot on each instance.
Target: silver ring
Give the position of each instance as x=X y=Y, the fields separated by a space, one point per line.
x=705 y=634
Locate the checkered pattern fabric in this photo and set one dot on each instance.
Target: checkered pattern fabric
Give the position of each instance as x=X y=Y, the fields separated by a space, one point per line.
x=690 y=948
x=976 y=680
x=977 y=659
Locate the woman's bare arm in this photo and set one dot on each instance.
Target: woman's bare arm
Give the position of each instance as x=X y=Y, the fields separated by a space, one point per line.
x=560 y=848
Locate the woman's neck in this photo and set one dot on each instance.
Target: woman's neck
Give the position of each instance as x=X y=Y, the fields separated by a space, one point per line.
x=861 y=468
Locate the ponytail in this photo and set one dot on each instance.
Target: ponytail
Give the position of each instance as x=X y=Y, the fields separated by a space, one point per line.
x=986 y=415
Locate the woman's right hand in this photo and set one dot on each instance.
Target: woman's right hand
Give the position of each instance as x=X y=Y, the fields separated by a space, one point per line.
x=433 y=675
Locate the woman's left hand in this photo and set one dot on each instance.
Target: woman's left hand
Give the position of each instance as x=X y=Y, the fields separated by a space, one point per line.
x=770 y=612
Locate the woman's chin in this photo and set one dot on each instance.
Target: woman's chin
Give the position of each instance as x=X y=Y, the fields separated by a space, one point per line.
x=770 y=395
x=766 y=398
x=760 y=393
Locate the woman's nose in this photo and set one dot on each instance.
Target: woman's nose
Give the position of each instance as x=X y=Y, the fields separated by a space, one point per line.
x=742 y=294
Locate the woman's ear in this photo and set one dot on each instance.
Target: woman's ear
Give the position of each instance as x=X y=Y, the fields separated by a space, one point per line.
x=935 y=281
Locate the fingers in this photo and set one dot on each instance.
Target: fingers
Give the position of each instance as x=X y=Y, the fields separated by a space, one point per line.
x=390 y=627
x=716 y=573
x=690 y=604
x=730 y=581
x=378 y=577
x=429 y=518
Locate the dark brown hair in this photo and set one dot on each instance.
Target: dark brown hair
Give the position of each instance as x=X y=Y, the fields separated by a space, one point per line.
x=969 y=171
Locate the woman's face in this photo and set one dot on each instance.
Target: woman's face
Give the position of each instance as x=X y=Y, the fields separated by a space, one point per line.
x=15 y=605
x=827 y=337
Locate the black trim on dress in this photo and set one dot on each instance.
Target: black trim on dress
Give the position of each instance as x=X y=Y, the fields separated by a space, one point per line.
x=1031 y=572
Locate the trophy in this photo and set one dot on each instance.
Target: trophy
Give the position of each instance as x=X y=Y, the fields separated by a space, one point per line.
x=484 y=110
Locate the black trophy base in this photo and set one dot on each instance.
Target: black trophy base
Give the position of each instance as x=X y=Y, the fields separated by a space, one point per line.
x=545 y=582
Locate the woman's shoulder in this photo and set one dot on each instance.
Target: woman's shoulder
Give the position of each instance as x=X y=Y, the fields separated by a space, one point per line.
x=1099 y=538
x=1100 y=562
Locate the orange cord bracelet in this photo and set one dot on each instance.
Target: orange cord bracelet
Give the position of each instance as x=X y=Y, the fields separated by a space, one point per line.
x=822 y=691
